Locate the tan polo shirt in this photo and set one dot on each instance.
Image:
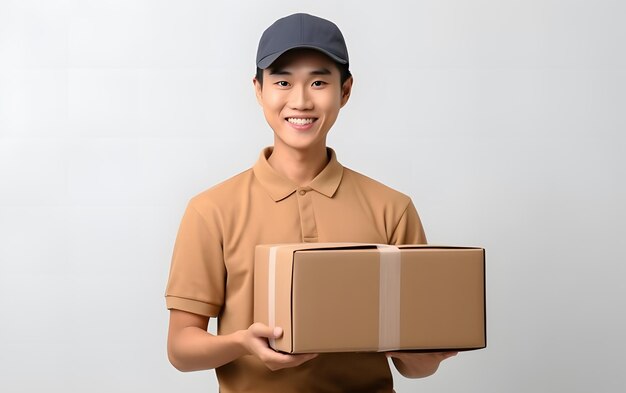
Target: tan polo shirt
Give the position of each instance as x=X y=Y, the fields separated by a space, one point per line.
x=213 y=260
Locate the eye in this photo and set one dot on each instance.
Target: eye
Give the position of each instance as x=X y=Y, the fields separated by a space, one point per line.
x=282 y=83
x=319 y=83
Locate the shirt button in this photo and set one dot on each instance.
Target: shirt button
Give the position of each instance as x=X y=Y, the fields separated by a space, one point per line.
x=302 y=192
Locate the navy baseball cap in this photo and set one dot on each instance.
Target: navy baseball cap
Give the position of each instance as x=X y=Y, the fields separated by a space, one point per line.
x=301 y=31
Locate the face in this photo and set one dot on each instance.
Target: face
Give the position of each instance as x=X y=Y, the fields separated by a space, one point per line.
x=301 y=97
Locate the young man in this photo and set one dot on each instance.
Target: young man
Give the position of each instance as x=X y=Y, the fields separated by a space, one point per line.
x=296 y=192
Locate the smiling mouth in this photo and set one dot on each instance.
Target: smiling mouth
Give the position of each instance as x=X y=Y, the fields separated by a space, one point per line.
x=301 y=121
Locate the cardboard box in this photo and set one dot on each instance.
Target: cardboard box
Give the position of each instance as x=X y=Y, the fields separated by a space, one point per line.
x=346 y=297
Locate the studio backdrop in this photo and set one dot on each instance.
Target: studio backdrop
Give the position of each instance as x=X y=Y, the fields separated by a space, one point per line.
x=503 y=121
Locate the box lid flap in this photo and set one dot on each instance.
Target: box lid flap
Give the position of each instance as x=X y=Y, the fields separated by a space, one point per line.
x=347 y=245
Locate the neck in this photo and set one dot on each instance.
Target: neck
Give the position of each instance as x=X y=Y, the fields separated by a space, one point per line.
x=299 y=166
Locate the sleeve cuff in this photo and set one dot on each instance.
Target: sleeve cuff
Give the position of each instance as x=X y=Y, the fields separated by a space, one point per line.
x=192 y=306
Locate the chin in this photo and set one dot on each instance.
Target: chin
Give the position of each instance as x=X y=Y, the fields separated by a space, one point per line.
x=299 y=146
x=298 y=143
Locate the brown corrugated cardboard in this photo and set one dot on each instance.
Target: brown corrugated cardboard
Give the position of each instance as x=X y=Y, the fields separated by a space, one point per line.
x=337 y=297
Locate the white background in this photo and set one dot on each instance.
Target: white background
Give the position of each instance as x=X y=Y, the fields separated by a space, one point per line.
x=503 y=120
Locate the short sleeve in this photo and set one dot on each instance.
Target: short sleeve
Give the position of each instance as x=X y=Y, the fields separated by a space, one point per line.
x=409 y=229
x=197 y=272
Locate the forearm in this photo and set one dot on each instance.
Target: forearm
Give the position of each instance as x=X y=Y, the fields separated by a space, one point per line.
x=195 y=349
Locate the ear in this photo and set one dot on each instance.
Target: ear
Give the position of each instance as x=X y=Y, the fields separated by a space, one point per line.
x=258 y=90
x=346 y=89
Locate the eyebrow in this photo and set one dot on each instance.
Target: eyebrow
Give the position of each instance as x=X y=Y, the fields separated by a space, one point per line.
x=282 y=71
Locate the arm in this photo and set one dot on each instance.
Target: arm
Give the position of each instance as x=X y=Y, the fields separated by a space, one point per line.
x=198 y=268
x=191 y=348
x=418 y=365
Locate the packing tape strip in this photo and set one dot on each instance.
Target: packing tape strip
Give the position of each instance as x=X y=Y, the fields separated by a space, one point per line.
x=271 y=293
x=389 y=297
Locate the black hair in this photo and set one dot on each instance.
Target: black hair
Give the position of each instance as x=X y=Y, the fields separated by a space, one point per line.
x=344 y=73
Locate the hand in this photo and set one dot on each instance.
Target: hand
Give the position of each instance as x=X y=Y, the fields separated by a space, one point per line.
x=255 y=342
x=418 y=365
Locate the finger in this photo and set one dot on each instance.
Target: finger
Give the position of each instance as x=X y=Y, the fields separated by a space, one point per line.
x=299 y=358
x=308 y=356
x=290 y=361
x=261 y=330
x=304 y=358
x=285 y=360
x=446 y=355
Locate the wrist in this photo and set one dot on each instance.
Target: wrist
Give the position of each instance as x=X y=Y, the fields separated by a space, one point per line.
x=240 y=340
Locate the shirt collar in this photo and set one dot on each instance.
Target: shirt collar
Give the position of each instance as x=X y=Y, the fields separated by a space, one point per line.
x=279 y=187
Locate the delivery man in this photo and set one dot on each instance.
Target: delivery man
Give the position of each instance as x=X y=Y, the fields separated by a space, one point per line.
x=297 y=191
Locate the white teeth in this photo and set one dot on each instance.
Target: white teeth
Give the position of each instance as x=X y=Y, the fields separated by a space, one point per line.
x=298 y=121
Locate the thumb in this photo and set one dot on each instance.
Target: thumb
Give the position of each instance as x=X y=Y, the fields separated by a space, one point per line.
x=278 y=331
x=262 y=330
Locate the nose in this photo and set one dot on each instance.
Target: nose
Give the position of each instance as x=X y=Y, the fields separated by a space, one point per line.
x=299 y=98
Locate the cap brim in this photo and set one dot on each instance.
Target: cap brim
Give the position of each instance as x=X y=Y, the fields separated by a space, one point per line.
x=268 y=60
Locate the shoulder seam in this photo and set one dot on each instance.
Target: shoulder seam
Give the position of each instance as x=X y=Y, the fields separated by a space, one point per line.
x=205 y=221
